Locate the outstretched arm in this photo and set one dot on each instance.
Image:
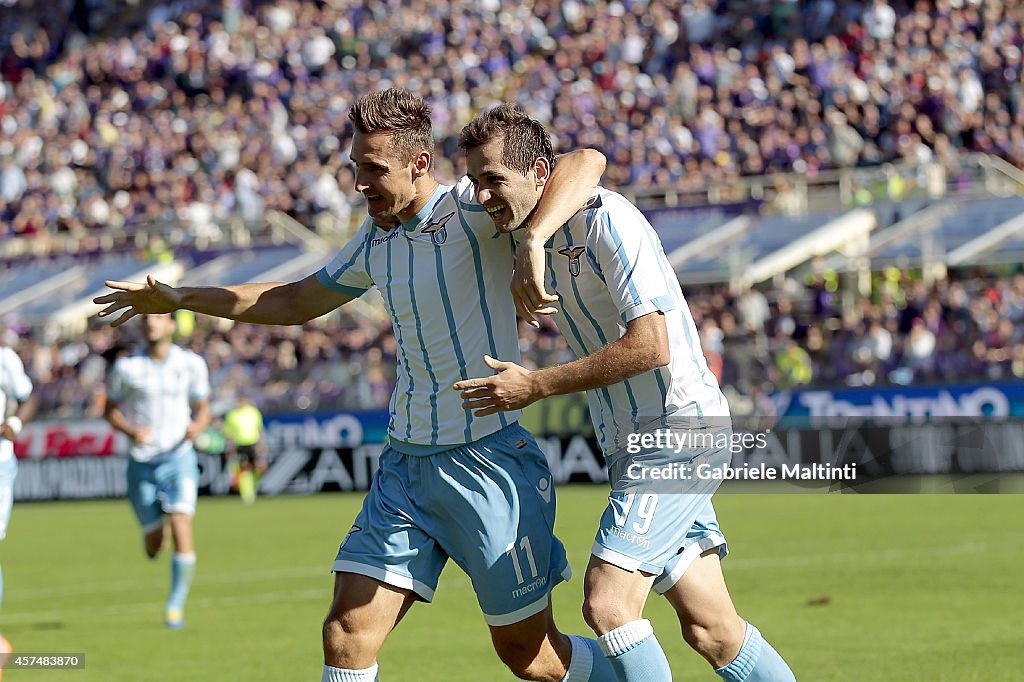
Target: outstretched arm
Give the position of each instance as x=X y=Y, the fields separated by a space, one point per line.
x=573 y=180
x=293 y=303
x=643 y=347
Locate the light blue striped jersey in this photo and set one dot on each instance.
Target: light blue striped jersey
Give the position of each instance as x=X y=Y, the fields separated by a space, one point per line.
x=444 y=277
x=14 y=383
x=159 y=395
x=608 y=267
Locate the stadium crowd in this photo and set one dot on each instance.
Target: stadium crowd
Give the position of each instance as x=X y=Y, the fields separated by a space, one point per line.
x=217 y=109
x=198 y=111
x=955 y=330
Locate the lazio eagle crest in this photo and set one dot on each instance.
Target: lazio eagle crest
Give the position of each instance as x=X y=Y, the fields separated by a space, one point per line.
x=436 y=229
x=573 y=254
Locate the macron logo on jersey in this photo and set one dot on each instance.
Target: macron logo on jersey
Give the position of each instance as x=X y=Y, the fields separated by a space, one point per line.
x=436 y=229
x=573 y=254
x=390 y=235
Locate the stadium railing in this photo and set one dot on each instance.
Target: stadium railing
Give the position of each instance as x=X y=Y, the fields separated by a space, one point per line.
x=826 y=190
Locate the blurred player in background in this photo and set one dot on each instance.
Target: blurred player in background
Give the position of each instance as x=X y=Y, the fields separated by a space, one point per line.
x=450 y=485
x=623 y=314
x=246 y=451
x=16 y=387
x=159 y=399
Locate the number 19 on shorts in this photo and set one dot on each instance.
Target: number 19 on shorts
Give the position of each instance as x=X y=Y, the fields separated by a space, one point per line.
x=644 y=512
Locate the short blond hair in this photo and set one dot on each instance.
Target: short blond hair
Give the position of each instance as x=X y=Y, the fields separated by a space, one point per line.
x=399 y=112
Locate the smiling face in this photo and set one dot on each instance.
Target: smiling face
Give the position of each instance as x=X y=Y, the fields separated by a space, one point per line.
x=508 y=196
x=386 y=180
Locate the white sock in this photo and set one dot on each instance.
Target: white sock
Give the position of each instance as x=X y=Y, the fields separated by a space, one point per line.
x=582 y=661
x=625 y=637
x=332 y=674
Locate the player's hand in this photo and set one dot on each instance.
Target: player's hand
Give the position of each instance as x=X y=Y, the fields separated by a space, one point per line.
x=512 y=388
x=7 y=432
x=142 y=435
x=528 y=290
x=193 y=431
x=151 y=298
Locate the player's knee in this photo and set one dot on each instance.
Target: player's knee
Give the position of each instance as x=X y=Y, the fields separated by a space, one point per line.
x=181 y=525
x=716 y=639
x=339 y=633
x=604 y=611
x=346 y=643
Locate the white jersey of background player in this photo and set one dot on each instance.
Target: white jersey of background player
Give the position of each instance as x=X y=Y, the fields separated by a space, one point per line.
x=15 y=386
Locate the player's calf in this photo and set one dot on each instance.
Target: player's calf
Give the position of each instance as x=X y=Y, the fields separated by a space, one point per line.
x=524 y=661
x=717 y=640
x=533 y=649
x=710 y=624
x=153 y=542
x=707 y=617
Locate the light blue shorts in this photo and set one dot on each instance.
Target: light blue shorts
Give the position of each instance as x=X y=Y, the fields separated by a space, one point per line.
x=660 y=527
x=165 y=485
x=488 y=505
x=8 y=472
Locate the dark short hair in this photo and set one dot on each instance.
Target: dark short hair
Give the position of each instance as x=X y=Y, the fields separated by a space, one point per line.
x=399 y=112
x=525 y=138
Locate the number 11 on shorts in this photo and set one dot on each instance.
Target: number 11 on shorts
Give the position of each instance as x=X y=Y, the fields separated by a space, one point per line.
x=524 y=544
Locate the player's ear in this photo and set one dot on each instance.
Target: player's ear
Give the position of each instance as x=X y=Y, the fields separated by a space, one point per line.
x=542 y=170
x=421 y=164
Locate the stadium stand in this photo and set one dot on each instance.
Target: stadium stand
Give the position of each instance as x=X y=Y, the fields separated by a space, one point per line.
x=206 y=111
x=192 y=124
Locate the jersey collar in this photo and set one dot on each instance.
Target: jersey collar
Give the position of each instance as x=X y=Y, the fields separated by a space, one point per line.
x=427 y=209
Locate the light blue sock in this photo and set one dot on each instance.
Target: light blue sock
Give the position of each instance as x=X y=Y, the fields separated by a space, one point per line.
x=588 y=664
x=332 y=674
x=183 y=567
x=635 y=654
x=757 y=661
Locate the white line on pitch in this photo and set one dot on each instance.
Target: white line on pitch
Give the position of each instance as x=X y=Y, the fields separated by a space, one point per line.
x=101 y=587
x=155 y=606
x=793 y=560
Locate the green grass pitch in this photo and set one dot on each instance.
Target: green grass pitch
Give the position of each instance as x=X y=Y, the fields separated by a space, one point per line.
x=847 y=587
